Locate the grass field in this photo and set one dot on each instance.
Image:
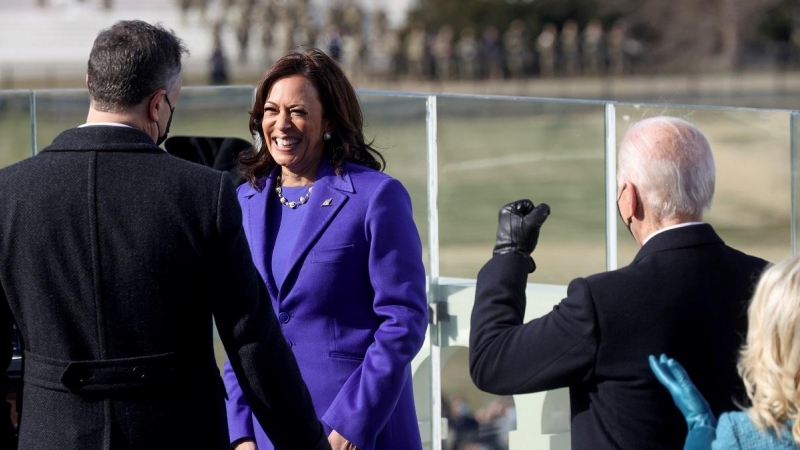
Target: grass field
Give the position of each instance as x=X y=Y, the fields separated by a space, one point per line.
x=495 y=151
x=492 y=151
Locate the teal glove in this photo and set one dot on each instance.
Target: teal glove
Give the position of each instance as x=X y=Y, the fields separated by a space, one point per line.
x=687 y=398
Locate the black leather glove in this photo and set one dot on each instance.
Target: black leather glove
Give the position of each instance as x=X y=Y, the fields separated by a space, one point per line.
x=518 y=228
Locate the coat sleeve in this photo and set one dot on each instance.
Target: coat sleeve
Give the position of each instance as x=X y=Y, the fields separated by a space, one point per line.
x=7 y=435
x=507 y=356
x=701 y=438
x=364 y=404
x=258 y=353
x=240 y=416
x=725 y=437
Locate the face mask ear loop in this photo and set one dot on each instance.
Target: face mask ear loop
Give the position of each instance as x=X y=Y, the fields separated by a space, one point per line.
x=630 y=218
x=163 y=137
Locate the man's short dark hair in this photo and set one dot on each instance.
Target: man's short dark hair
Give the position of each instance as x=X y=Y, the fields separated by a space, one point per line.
x=130 y=61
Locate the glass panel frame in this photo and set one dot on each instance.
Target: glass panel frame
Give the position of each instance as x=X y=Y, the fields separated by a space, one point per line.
x=17 y=131
x=57 y=110
x=795 y=183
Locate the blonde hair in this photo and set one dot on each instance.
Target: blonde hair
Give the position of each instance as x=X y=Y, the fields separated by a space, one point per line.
x=670 y=162
x=769 y=362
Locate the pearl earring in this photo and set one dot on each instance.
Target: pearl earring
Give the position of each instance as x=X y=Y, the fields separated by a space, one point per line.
x=326 y=136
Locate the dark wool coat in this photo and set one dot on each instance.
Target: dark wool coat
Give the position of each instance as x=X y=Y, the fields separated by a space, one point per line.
x=685 y=294
x=116 y=256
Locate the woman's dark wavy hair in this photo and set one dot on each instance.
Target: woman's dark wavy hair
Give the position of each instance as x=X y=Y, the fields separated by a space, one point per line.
x=339 y=105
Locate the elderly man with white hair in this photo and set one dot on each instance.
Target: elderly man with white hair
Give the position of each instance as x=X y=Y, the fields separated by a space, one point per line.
x=684 y=294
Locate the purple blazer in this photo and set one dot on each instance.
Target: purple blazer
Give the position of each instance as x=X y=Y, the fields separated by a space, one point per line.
x=352 y=307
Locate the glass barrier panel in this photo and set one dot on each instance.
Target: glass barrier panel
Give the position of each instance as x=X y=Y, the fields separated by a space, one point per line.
x=396 y=126
x=201 y=111
x=213 y=111
x=16 y=138
x=58 y=110
x=473 y=417
x=751 y=210
x=493 y=151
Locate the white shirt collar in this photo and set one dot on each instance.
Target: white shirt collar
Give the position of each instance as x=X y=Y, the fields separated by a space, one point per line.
x=671 y=227
x=108 y=124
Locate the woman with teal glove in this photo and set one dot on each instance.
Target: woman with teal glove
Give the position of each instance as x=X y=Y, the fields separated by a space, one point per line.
x=769 y=365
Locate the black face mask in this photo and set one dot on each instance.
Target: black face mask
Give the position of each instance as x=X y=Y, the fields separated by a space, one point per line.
x=163 y=137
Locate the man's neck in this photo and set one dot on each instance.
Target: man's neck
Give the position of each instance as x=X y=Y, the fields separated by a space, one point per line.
x=650 y=227
x=96 y=116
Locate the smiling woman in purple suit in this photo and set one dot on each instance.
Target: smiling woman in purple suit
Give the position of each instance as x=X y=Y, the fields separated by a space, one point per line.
x=335 y=242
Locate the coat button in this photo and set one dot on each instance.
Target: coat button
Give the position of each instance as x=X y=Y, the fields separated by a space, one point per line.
x=284 y=317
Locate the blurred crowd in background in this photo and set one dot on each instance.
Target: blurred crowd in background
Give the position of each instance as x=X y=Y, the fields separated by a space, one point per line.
x=485 y=428
x=368 y=45
x=507 y=39
x=470 y=40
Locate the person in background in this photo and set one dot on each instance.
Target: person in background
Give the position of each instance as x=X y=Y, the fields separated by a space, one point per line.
x=769 y=364
x=218 y=62
x=335 y=241
x=684 y=293
x=116 y=258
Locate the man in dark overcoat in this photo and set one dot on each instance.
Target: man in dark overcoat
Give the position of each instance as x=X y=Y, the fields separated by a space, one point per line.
x=117 y=257
x=685 y=294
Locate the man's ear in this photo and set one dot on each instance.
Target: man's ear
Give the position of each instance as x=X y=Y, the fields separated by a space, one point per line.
x=628 y=201
x=155 y=104
x=634 y=201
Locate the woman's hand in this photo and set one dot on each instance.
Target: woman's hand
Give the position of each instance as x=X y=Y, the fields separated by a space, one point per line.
x=338 y=442
x=245 y=445
x=686 y=396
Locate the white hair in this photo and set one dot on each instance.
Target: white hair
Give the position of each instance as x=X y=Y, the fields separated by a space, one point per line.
x=669 y=161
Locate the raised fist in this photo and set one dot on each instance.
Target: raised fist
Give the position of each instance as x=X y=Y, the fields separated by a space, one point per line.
x=518 y=225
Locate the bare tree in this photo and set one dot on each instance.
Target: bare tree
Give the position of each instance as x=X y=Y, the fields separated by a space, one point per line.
x=688 y=33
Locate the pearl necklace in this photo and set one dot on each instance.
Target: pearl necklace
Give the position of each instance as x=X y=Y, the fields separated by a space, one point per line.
x=293 y=205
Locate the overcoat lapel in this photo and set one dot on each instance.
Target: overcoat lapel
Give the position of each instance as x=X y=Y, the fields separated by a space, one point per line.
x=259 y=208
x=327 y=199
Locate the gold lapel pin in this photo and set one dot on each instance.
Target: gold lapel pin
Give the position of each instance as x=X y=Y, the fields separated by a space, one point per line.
x=327 y=202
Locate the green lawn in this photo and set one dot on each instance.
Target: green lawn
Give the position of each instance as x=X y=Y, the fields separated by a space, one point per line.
x=494 y=151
